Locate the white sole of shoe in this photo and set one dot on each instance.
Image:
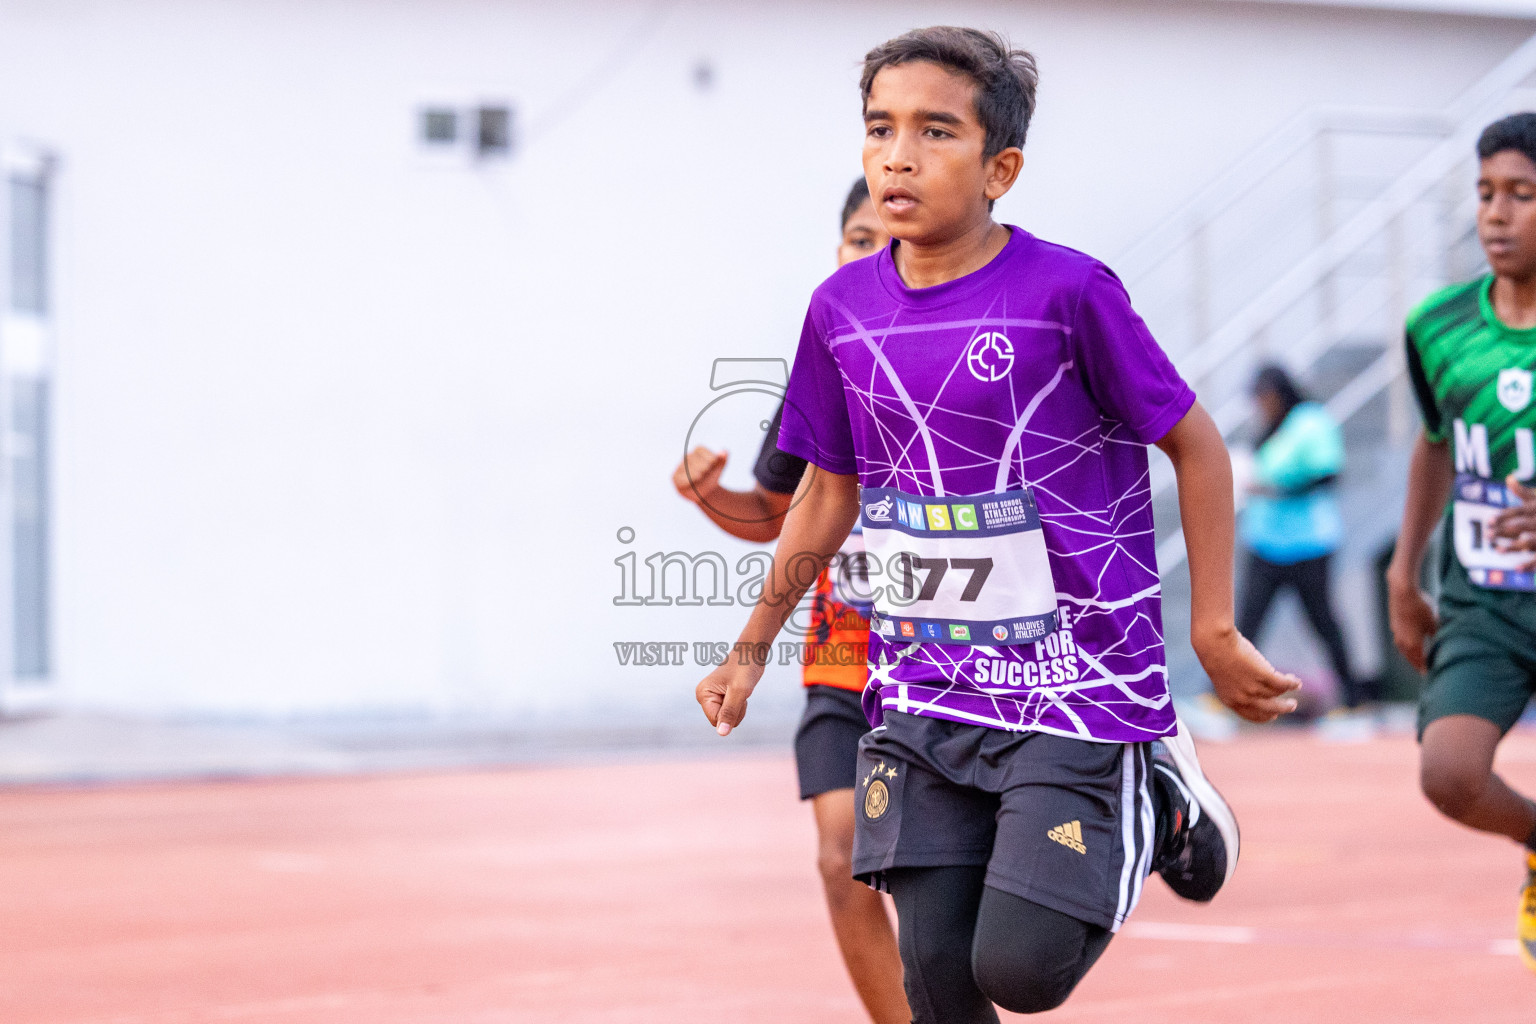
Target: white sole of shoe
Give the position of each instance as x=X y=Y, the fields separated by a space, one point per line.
x=1181 y=747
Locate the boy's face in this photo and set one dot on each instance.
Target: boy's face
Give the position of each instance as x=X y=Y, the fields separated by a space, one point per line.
x=923 y=146
x=1506 y=213
x=862 y=235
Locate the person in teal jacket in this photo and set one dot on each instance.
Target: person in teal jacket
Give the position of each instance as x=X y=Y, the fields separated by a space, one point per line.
x=1291 y=526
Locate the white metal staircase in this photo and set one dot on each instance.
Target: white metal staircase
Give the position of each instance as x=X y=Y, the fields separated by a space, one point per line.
x=1318 y=240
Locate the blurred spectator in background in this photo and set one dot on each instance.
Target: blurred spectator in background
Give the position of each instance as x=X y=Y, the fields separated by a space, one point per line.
x=1291 y=527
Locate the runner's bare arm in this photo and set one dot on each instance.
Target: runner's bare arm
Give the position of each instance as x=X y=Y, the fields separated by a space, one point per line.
x=824 y=511
x=1241 y=676
x=1412 y=618
x=756 y=515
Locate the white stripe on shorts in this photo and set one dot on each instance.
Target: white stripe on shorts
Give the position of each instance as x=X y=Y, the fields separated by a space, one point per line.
x=1148 y=826
x=1137 y=828
x=1127 y=831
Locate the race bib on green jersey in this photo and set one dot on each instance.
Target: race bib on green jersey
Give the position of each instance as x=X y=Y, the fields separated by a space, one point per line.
x=1476 y=503
x=970 y=570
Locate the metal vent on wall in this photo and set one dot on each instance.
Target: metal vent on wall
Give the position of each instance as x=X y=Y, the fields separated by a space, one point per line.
x=26 y=344
x=478 y=131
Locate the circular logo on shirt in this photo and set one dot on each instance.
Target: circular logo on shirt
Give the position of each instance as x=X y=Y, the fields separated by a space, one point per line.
x=1000 y=632
x=990 y=357
x=876 y=799
x=1514 y=389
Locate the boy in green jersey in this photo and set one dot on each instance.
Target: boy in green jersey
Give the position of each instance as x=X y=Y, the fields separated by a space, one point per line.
x=1471 y=357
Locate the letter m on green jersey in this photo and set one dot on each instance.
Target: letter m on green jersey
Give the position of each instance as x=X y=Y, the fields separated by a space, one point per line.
x=1472 y=448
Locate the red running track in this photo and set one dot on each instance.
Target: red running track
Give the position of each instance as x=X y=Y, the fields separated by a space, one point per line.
x=683 y=891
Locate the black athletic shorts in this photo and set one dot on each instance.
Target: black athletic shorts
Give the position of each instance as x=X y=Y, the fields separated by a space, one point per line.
x=1061 y=822
x=827 y=742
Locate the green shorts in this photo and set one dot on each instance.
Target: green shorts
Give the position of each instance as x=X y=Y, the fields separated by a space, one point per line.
x=1482 y=660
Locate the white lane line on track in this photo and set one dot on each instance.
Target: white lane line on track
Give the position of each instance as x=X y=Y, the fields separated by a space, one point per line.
x=1242 y=935
x=1231 y=934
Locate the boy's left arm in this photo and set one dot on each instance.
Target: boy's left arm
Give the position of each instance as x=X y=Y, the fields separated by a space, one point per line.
x=1244 y=680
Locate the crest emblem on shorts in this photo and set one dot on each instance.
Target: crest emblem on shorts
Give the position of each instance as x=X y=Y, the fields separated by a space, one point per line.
x=1514 y=389
x=876 y=799
x=877 y=796
x=990 y=357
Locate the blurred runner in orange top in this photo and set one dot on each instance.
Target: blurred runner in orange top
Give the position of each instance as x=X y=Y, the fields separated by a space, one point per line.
x=827 y=742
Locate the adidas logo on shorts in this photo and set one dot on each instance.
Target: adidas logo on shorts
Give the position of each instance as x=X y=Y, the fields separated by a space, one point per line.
x=1069 y=835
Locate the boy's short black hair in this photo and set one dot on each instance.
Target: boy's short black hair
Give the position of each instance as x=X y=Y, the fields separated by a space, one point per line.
x=1516 y=132
x=1005 y=78
x=857 y=197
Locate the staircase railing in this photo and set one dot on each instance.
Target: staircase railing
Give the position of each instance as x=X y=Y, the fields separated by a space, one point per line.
x=1356 y=283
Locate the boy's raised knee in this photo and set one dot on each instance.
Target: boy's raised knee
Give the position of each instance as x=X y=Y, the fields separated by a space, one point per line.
x=1023 y=984
x=1453 y=788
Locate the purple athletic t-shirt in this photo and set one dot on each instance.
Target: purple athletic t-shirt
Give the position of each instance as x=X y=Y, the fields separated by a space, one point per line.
x=1033 y=376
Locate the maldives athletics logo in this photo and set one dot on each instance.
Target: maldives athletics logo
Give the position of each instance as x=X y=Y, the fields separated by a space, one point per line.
x=990 y=357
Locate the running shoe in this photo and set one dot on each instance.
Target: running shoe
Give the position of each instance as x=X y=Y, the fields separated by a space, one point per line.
x=1525 y=931
x=1199 y=850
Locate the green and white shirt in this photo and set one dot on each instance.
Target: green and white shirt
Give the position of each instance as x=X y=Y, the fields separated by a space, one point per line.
x=1472 y=376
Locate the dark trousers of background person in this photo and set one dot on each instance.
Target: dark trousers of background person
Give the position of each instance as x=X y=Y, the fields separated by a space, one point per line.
x=1309 y=578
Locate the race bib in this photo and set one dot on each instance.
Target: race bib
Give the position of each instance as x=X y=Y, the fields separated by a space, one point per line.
x=969 y=570
x=1477 y=502
x=849 y=573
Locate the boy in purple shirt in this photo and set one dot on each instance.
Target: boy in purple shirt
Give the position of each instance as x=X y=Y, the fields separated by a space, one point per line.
x=981 y=401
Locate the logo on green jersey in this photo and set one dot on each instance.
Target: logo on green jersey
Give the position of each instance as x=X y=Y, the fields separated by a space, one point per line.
x=1514 y=389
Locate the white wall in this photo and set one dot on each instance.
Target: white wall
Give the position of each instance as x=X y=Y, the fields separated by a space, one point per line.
x=337 y=430
x=1502 y=8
